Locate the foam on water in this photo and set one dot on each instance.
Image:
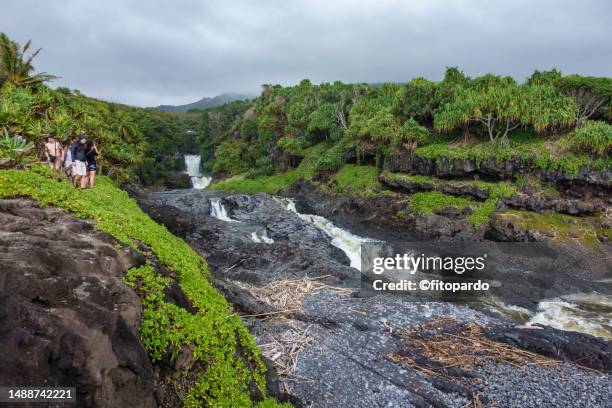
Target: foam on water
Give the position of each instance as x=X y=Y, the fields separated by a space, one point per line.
x=349 y=243
x=218 y=211
x=261 y=238
x=586 y=313
x=581 y=312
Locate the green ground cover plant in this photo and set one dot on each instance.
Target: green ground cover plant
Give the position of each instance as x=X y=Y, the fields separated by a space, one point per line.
x=427 y=202
x=353 y=179
x=231 y=361
x=561 y=227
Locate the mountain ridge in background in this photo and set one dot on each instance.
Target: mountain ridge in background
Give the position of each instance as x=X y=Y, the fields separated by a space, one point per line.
x=206 y=102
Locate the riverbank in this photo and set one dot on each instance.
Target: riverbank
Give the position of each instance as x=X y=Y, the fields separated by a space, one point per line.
x=193 y=350
x=300 y=299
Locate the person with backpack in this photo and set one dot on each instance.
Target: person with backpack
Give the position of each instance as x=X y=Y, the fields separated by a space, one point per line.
x=79 y=161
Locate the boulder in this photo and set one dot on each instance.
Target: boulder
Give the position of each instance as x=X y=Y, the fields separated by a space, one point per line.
x=66 y=317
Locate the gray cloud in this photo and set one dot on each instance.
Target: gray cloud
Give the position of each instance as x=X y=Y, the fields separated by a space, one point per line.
x=152 y=52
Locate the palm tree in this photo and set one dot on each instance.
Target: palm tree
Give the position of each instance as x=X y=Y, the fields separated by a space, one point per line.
x=123 y=127
x=16 y=67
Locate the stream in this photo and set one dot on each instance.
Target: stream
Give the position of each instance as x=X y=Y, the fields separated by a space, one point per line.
x=340 y=337
x=583 y=312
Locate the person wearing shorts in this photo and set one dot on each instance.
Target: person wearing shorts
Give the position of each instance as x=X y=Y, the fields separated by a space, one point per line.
x=68 y=164
x=91 y=151
x=79 y=161
x=53 y=153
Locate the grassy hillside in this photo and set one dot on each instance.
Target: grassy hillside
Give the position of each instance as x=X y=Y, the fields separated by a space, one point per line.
x=230 y=360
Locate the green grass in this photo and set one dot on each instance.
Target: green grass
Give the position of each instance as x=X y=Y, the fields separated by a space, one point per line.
x=264 y=184
x=430 y=201
x=352 y=179
x=231 y=362
x=435 y=183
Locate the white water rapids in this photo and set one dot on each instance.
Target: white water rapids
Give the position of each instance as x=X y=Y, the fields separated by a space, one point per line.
x=198 y=180
x=587 y=313
x=218 y=211
x=349 y=243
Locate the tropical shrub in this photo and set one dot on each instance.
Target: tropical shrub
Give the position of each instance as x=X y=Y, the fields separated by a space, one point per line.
x=417 y=100
x=412 y=132
x=13 y=150
x=592 y=95
x=501 y=105
x=592 y=137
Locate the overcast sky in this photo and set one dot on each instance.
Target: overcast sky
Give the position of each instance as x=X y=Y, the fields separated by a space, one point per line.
x=146 y=52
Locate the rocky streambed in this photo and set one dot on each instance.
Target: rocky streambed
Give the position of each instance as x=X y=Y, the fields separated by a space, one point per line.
x=290 y=274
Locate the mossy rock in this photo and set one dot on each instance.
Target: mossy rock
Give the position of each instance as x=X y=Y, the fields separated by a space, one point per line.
x=559 y=227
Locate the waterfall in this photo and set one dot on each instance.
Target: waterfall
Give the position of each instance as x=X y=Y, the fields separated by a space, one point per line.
x=198 y=180
x=349 y=243
x=218 y=211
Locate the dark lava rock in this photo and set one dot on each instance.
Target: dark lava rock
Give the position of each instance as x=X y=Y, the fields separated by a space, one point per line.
x=578 y=348
x=435 y=226
x=499 y=170
x=455 y=188
x=347 y=363
x=545 y=202
x=372 y=216
x=300 y=249
x=66 y=317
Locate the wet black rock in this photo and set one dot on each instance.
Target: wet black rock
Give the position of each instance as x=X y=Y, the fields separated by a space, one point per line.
x=545 y=202
x=581 y=349
x=177 y=179
x=347 y=363
x=454 y=188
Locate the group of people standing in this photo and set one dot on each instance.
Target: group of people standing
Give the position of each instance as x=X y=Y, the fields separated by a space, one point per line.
x=78 y=161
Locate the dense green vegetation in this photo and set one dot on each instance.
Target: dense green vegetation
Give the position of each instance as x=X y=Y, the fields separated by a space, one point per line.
x=231 y=364
x=432 y=199
x=354 y=128
x=594 y=136
x=334 y=134
x=482 y=118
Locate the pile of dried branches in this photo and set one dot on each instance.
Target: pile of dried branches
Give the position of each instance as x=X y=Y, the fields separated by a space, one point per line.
x=284 y=348
x=449 y=348
x=287 y=295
